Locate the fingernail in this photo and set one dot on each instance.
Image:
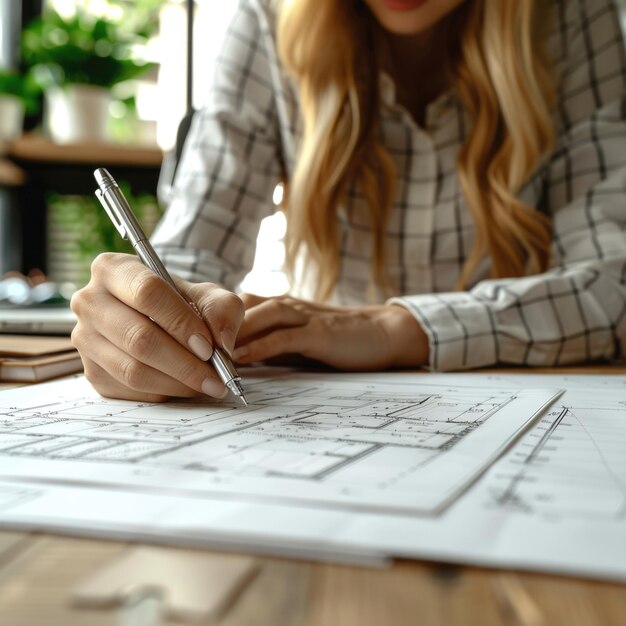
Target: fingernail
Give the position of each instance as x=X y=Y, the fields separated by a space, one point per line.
x=228 y=341
x=214 y=388
x=200 y=347
x=241 y=352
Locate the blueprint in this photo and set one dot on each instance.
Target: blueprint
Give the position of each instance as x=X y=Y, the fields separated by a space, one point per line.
x=554 y=501
x=373 y=443
x=573 y=466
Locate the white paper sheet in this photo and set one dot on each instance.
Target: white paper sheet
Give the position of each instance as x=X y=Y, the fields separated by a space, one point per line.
x=554 y=502
x=373 y=442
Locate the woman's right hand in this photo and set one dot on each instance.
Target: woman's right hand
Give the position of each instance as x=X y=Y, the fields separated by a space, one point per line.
x=139 y=340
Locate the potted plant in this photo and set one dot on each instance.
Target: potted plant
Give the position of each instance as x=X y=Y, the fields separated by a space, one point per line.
x=18 y=95
x=77 y=61
x=78 y=230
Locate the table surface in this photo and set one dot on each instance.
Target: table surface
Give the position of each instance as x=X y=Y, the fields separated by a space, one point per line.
x=39 y=571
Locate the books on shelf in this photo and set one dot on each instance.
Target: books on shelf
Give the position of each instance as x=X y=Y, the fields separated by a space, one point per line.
x=28 y=358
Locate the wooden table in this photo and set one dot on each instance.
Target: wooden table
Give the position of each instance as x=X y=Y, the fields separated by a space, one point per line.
x=38 y=572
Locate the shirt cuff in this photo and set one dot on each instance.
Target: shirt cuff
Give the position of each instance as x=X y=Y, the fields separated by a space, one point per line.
x=461 y=330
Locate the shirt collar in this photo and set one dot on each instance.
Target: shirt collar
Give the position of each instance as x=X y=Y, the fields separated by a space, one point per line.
x=434 y=111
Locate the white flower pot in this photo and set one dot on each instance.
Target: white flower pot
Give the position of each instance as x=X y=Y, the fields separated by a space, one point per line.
x=11 y=117
x=77 y=113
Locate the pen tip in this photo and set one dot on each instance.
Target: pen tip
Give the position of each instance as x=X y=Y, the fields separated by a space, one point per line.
x=235 y=386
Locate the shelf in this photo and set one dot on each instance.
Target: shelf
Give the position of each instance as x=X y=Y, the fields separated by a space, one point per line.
x=35 y=148
x=10 y=174
x=68 y=169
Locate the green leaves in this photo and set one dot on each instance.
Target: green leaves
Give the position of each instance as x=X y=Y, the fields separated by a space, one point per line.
x=21 y=86
x=81 y=49
x=87 y=229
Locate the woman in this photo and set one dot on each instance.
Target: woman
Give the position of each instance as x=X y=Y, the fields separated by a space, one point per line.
x=455 y=179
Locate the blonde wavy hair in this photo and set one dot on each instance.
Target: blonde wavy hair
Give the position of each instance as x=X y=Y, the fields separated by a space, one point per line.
x=500 y=70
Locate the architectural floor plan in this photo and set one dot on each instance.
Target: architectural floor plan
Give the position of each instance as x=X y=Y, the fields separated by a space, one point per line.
x=554 y=501
x=309 y=438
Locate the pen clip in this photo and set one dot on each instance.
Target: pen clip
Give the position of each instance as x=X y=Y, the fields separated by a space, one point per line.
x=119 y=225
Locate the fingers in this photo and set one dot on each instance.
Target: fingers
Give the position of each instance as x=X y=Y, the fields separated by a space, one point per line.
x=250 y=299
x=140 y=337
x=298 y=340
x=127 y=280
x=268 y=315
x=110 y=387
x=222 y=311
x=139 y=354
x=349 y=339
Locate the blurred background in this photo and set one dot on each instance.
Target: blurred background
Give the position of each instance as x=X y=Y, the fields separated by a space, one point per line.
x=90 y=83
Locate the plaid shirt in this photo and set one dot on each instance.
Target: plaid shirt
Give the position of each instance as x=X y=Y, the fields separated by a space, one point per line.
x=245 y=140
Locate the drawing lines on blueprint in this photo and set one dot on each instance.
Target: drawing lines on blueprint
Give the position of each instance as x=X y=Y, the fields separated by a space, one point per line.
x=571 y=465
x=341 y=430
x=402 y=445
x=317 y=431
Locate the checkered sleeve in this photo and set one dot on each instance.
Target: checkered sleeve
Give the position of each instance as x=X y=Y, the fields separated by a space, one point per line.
x=574 y=312
x=231 y=161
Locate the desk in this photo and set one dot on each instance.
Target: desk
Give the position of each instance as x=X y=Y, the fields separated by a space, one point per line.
x=38 y=572
x=68 y=169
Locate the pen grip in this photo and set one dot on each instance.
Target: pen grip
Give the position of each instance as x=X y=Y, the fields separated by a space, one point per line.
x=220 y=361
x=149 y=258
x=223 y=365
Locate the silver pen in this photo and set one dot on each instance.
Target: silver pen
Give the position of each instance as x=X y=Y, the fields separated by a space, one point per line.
x=124 y=220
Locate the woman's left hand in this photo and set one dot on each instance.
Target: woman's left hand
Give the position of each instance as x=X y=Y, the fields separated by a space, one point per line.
x=348 y=338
